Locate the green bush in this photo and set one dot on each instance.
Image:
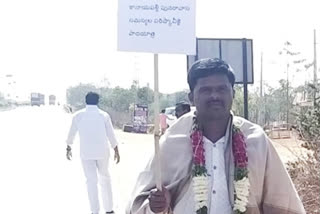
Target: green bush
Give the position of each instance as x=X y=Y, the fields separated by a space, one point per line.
x=305 y=172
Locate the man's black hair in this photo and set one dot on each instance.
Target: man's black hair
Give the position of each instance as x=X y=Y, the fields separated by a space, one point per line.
x=92 y=98
x=184 y=106
x=207 y=67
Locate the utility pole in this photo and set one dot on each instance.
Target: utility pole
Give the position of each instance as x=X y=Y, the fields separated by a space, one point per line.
x=315 y=69
x=287 y=92
x=261 y=81
x=287 y=44
x=262 y=104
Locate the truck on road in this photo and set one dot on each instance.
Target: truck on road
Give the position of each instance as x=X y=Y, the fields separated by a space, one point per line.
x=37 y=99
x=52 y=99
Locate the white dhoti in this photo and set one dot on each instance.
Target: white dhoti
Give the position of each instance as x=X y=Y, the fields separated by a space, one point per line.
x=91 y=167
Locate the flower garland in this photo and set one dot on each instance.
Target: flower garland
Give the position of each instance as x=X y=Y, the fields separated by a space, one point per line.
x=199 y=171
x=200 y=176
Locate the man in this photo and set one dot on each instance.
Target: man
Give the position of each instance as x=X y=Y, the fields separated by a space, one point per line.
x=95 y=131
x=181 y=109
x=228 y=165
x=163 y=121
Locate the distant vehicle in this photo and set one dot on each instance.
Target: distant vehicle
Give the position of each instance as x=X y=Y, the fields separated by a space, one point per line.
x=52 y=99
x=171 y=117
x=139 y=121
x=37 y=99
x=140 y=118
x=41 y=99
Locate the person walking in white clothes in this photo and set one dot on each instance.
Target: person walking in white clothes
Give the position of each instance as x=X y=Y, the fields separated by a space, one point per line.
x=95 y=131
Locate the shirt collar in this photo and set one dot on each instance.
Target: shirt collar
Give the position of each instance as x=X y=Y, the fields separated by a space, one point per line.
x=219 y=141
x=91 y=107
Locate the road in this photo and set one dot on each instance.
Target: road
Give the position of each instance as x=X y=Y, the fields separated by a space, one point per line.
x=35 y=175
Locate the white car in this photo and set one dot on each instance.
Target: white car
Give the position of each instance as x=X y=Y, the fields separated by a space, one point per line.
x=171 y=115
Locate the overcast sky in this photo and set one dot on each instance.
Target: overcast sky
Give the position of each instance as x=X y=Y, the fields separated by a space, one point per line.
x=50 y=45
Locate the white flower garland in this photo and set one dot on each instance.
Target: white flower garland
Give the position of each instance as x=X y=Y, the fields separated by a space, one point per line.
x=200 y=177
x=242 y=194
x=200 y=188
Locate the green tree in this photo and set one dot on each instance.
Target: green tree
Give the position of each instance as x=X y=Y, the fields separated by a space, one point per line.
x=145 y=95
x=3 y=101
x=169 y=100
x=294 y=63
x=238 y=106
x=181 y=96
x=120 y=99
x=76 y=95
x=305 y=172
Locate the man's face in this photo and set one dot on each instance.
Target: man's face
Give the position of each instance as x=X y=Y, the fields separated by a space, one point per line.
x=213 y=97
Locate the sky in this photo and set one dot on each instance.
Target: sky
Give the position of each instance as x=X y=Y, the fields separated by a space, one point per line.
x=48 y=46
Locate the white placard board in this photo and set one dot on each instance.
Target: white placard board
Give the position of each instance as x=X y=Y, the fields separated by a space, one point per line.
x=157 y=26
x=229 y=50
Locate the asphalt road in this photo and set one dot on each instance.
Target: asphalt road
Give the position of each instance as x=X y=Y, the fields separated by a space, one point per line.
x=36 y=177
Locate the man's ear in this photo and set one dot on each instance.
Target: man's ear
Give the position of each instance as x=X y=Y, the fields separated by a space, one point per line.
x=190 y=95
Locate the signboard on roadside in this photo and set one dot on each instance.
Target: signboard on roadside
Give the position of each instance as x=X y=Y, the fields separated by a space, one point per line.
x=157 y=26
x=140 y=118
x=236 y=52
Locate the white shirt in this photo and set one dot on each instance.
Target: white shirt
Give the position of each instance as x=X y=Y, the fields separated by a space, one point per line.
x=95 y=130
x=219 y=202
x=215 y=163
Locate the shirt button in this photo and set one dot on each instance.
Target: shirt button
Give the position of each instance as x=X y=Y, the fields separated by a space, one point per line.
x=214 y=145
x=214 y=167
x=214 y=192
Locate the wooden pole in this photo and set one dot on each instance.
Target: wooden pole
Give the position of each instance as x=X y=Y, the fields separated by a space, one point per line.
x=315 y=68
x=156 y=124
